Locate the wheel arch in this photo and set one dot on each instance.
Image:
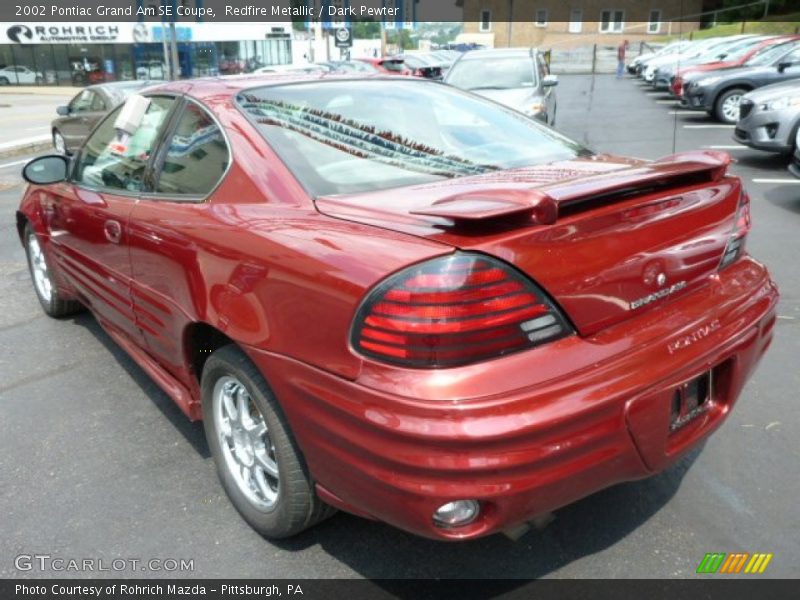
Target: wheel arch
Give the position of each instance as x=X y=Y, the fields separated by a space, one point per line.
x=201 y=340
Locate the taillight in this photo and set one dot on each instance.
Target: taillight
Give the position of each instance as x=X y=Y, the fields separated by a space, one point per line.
x=735 y=247
x=452 y=311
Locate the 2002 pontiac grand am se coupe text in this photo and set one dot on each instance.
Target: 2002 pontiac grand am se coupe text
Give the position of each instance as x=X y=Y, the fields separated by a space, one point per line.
x=398 y=299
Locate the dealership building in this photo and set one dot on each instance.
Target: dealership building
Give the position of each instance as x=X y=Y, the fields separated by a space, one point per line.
x=75 y=53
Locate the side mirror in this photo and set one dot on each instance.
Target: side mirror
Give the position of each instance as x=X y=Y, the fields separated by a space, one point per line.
x=63 y=110
x=782 y=66
x=46 y=169
x=550 y=80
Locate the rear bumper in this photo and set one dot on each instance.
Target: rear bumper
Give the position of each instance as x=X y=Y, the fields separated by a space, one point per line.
x=527 y=433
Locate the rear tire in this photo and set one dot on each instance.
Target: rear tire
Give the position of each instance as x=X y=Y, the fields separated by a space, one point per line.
x=258 y=462
x=726 y=108
x=52 y=301
x=4 y=81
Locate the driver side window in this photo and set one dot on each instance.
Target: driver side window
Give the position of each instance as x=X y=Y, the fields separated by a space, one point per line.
x=104 y=164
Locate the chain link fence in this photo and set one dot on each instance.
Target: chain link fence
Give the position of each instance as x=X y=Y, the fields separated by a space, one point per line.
x=596 y=58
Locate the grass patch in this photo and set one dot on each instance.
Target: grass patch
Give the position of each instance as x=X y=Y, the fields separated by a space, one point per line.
x=772 y=25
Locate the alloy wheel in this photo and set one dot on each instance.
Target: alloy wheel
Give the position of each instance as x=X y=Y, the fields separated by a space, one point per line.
x=41 y=276
x=247 y=449
x=730 y=108
x=58 y=143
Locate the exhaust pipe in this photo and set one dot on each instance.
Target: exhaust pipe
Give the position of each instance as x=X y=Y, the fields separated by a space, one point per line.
x=515 y=532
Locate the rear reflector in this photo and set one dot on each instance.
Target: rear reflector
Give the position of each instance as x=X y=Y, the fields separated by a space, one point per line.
x=453 y=311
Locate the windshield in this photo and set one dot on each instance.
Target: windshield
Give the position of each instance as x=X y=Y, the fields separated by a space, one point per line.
x=770 y=54
x=341 y=137
x=496 y=73
x=740 y=50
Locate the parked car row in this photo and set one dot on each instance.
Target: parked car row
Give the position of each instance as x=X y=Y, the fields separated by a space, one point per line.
x=714 y=74
x=752 y=81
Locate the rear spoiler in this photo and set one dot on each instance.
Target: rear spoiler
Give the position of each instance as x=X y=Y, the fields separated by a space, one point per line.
x=543 y=205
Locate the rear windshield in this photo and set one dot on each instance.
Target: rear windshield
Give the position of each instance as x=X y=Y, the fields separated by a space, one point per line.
x=342 y=137
x=393 y=65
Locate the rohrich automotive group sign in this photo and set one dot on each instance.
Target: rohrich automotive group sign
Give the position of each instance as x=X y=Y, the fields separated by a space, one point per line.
x=63 y=33
x=129 y=33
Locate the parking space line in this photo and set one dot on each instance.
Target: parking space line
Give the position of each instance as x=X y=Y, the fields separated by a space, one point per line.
x=720 y=126
x=729 y=147
x=13 y=164
x=671 y=102
x=761 y=180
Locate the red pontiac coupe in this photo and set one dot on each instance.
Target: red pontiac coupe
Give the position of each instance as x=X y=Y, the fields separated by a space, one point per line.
x=398 y=299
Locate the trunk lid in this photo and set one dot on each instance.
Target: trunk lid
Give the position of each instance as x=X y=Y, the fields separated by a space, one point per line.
x=606 y=237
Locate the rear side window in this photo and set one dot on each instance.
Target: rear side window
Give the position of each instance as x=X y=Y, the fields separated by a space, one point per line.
x=103 y=164
x=197 y=155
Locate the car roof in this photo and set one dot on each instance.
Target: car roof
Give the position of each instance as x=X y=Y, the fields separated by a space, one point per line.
x=210 y=87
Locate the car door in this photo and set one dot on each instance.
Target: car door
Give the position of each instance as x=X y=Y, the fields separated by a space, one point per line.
x=88 y=215
x=788 y=67
x=165 y=257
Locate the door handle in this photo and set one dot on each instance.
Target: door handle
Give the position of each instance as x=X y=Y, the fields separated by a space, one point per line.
x=113 y=231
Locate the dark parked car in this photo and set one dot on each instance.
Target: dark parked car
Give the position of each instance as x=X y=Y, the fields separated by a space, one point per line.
x=86 y=109
x=720 y=92
x=517 y=77
x=392 y=297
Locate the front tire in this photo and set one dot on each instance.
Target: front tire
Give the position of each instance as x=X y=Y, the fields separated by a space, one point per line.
x=258 y=462
x=726 y=109
x=53 y=303
x=59 y=143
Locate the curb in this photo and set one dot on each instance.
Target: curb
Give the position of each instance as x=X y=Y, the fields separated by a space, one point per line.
x=39 y=90
x=26 y=149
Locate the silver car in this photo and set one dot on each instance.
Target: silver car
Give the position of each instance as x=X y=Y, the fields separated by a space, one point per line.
x=769 y=117
x=516 y=77
x=794 y=167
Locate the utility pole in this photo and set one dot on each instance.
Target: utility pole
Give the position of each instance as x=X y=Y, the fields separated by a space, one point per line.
x=766 y=8
x=510 y=20
x=164 y=47
x=173 y=34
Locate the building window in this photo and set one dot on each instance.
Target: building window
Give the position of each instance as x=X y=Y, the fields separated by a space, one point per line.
x=654 y=25
x=575 y=20
x=486 y=20
x=612 y=21
x=541 y=17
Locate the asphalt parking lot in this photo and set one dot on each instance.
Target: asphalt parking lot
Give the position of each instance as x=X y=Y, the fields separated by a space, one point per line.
x=96 y=462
